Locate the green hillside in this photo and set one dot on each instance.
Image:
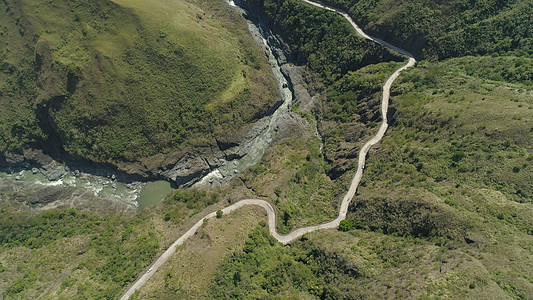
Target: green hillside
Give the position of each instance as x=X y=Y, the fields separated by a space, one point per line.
x=119 y=81
x=445 y=205
x=444 y=209
x=92 y=252
x=447 y=28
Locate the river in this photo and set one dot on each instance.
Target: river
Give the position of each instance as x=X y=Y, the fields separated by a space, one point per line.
x=137 y=194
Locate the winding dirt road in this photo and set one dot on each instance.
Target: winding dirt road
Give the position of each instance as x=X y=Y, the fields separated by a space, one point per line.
x=285 y=239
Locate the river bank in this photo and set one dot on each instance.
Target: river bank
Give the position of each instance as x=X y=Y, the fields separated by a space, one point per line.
x=136 y=194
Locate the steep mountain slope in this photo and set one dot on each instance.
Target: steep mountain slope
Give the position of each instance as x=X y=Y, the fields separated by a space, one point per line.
x=121 y=81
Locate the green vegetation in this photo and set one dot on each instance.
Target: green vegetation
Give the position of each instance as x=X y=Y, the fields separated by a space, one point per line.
x=456 y=165
x=264 y=268
x=121 y=81
x=185 y=203
x=410 y=217
x=345 y=225
x=67 y=253
x=38 y=248
x=292 y=175
x=188 y=274
x=321 y=39
x=350 y=113
x=460 y=125
x=486 y=258
x=446 y=29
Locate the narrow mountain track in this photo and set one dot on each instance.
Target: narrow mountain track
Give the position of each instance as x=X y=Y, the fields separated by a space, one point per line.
x=271 y=214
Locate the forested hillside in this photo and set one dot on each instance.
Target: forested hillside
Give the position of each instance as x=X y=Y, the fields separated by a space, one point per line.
x=119 y=81
x=445 y=29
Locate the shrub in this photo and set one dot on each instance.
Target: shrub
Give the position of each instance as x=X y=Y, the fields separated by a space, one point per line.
x=345 y=225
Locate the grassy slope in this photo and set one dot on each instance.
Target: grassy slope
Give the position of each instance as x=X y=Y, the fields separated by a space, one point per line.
x=463 y=122
x=90 y=253
x=69 y=253
x=138 y=78
x=188 y=274
x=17 y=120
x=436 y=215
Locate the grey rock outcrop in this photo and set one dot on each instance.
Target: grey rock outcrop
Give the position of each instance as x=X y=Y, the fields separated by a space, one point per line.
x=296 y=75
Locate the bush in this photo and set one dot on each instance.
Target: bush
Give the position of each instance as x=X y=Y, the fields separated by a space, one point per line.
x=195 y=199
x=414 y=217
x=266 y=269
x=345 y=225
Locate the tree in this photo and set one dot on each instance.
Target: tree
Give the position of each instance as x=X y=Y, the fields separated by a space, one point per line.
x=345 y=225
x=219 y=214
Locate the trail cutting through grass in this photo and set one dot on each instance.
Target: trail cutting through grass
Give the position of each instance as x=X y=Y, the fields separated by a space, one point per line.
x=271 y=214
